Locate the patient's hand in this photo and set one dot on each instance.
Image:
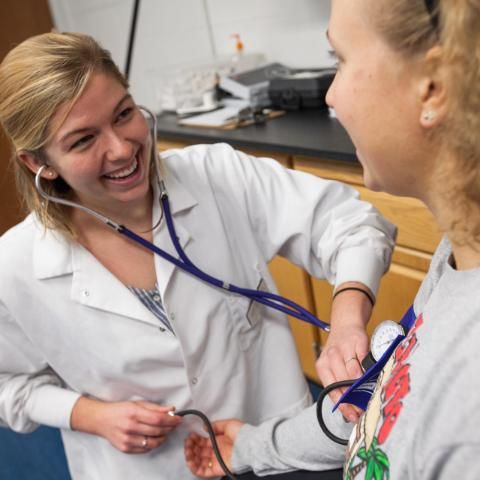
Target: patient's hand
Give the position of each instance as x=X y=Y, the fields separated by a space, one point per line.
x=346 y=346
x=335 y=364
x=199 y=453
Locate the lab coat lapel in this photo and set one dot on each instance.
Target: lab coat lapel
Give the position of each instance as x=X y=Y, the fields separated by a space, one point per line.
x=52 y=255
x=95 y=286
x=92 y=284
x=181 y=202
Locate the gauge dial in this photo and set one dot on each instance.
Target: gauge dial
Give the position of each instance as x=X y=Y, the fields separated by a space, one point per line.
x=383 y=336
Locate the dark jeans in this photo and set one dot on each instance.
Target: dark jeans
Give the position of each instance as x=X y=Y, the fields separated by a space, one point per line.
x=300 y=475
x=39 y=456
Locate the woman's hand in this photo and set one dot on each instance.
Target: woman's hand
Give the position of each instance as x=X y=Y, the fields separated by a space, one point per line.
x=347 y=345
x=199 y=453
x=340 y=361
x=131 y=427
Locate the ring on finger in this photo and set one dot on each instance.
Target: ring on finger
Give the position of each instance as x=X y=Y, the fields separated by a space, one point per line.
x=210 y=464
x=145 y=442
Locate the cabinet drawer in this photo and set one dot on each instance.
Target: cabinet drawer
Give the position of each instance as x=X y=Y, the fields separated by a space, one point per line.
x=416 y=227
x=282 y=158
x=163 y=145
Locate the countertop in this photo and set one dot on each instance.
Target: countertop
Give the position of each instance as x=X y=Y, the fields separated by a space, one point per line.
x=304 y=132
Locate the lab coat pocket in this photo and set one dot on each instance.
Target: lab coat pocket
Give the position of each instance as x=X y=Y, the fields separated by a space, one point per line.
x=248 y=318
x=256 y=310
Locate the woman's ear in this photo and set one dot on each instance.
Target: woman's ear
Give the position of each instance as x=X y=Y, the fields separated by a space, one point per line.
x=433 y=91
x=33 y=163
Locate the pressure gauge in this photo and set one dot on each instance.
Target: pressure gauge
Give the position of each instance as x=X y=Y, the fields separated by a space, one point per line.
x=382 y=337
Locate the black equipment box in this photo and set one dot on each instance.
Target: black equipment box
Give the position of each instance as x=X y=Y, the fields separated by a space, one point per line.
x=301 y=89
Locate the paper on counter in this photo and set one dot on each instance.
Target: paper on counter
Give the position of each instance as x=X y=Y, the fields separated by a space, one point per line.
x=217 y=118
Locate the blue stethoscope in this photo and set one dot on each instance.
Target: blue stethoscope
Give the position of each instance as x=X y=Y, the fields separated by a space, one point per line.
x=271 y=300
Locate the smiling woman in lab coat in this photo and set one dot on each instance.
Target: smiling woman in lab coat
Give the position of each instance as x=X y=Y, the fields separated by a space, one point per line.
x=100 y=338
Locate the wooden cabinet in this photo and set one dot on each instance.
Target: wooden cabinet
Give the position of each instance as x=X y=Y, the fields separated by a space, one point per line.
x=169 y=144
x=295 y=284
x=18 y=21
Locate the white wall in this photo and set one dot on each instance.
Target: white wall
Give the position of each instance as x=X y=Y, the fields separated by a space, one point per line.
x=175 y=33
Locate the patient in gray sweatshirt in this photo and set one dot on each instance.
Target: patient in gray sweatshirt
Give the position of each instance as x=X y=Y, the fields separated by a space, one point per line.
x=423 y=420
x=407 y=90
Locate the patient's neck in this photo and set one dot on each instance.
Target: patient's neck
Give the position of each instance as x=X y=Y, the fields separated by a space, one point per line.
x=456 y=212
x=466 y=257
x=464 y=236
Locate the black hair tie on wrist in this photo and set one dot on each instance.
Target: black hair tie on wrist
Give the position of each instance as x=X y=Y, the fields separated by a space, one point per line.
x=372 y=300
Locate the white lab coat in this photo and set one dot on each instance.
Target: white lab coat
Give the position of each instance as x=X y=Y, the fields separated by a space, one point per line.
x=69 y=327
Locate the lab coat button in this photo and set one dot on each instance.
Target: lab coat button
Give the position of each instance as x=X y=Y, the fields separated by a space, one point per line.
x=86 y=293
x=194 y=380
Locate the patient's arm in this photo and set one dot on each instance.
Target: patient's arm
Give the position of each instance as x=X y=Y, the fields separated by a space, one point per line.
x=276 y=446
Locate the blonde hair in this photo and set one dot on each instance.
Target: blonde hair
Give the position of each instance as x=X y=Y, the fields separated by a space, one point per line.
x=409 y=28
x=36 y=78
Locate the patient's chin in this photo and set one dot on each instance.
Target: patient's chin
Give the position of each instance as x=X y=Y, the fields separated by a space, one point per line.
x=371 y=182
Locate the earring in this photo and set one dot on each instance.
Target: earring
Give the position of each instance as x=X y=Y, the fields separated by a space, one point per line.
x=51 y=172
x=428 y=116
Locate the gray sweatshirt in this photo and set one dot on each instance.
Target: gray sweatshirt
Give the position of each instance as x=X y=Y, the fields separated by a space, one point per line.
x=423 y=421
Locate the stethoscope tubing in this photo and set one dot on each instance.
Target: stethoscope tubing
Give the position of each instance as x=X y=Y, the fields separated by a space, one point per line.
x=271 y=300
x=321 y=397
x=268 y=299
x=213 y=440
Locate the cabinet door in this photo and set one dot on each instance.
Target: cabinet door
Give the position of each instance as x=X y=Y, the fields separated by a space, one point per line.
x=417 y=228
x=396 y=294
x=322 y=300
x=294 y=283
x=18 y=21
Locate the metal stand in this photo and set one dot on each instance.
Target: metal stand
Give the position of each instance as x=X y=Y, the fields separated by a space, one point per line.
x=131 y=38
